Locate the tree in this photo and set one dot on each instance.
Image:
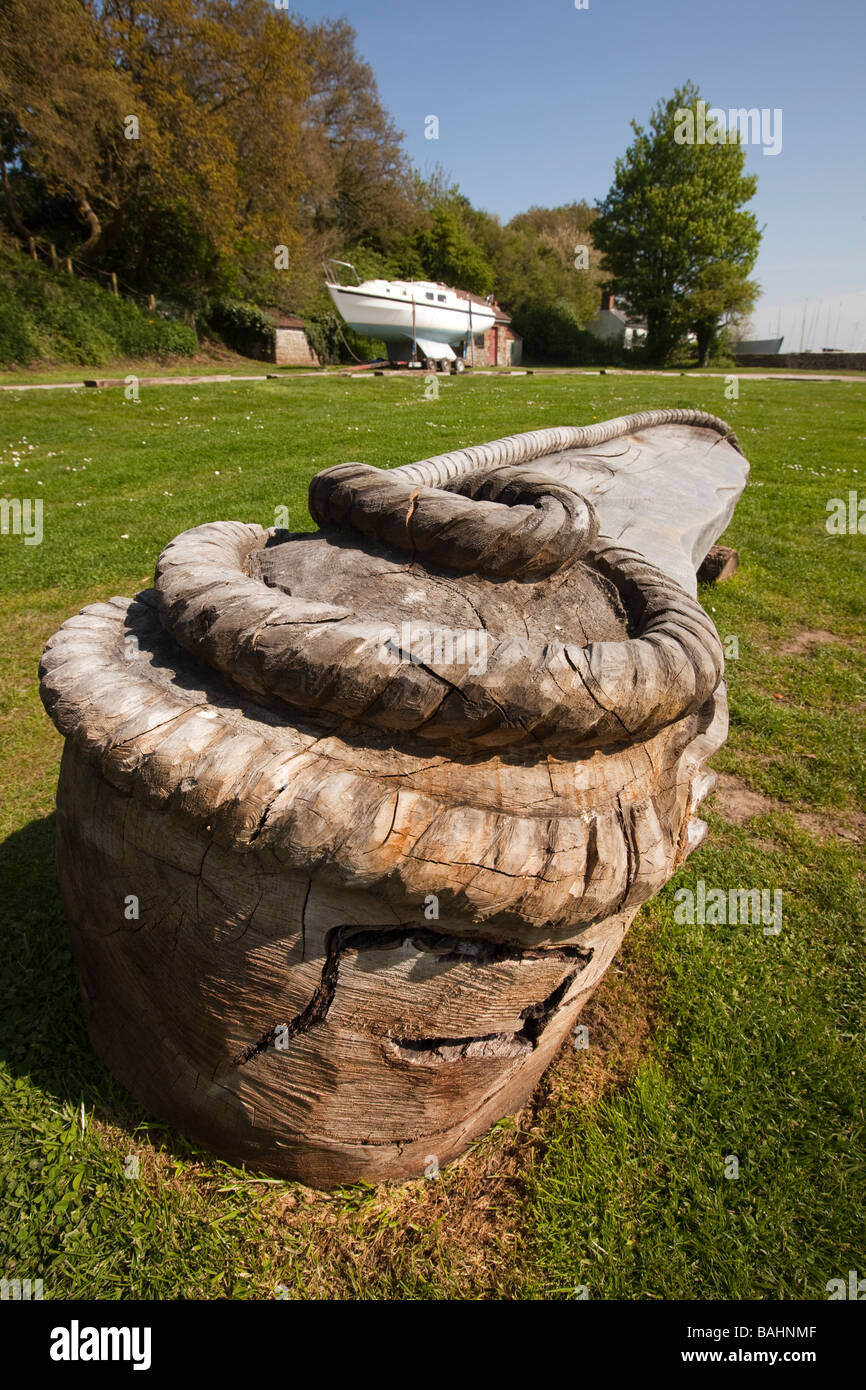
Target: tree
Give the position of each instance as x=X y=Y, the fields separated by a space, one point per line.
x=448 y=251
x=552 y=333
x=673 y=214
x=722 y=297
x=360 y=179
x=223 y=86
x=559 y=263
x=62 y=109
x=184 y=143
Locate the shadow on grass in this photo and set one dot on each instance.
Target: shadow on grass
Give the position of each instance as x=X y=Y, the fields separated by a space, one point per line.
x=43 y=1037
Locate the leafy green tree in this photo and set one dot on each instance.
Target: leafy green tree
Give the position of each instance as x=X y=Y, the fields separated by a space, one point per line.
x=223 y=86
x=553 y=334
x=62 y=109
x=557 y=261
x=444 y=245
x=360 y=181
x=721 y=298
x=199 y=147
x=675 y=211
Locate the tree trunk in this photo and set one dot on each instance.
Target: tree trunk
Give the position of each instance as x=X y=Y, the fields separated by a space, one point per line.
x=12 y=212
x=661 y=337
x=88 y=247
x=706 y=334
x=103 y=239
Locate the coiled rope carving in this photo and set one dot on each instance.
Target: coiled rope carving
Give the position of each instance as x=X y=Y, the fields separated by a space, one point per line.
x=441 y=469
x=509 y=523
x=501 y=521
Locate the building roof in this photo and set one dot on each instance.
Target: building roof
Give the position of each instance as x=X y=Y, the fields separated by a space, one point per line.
x=622 y=316
x=757 y=345
x=501 y=316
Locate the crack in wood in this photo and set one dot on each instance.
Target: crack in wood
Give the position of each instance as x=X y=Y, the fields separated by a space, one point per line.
x=483 y=951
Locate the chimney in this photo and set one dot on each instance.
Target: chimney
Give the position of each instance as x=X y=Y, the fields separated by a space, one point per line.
x=606 y=299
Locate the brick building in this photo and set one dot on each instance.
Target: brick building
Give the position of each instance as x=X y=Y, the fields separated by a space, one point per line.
x=500 y=346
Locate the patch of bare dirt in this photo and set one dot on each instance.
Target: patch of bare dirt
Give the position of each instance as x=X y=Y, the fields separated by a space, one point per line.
x=852 y=828
x=621 y=1018
x=805 y=642
x=737 y=803
x=463 y=1225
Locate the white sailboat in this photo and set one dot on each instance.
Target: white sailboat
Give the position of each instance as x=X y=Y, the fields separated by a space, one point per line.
x=434 y=319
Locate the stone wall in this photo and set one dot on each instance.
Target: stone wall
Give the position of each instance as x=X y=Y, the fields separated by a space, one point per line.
x=292 y=348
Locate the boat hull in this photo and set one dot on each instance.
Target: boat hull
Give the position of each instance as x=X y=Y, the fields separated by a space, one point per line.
x=435 y=326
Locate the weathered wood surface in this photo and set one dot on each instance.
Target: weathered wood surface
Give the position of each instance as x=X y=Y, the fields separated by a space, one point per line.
x=337 y=893
x=663 y=483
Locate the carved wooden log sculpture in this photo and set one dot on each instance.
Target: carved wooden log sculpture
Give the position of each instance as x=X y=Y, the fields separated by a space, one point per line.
x=351 y=824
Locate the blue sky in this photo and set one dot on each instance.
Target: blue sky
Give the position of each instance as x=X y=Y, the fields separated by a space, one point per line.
x=534 y=99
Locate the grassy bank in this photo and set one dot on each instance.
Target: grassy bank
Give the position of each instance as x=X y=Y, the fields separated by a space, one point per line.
x=49 y=316
x=706 y=1042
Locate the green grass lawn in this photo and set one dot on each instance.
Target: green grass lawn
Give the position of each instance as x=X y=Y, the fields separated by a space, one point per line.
x=705 y=1041
x=207 y=362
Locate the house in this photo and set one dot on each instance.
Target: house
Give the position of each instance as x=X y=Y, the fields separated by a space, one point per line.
x=612 y=326
x=500 y=346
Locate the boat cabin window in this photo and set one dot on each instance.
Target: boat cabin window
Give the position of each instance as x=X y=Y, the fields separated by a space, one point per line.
x=429 y=295
x=441 y=298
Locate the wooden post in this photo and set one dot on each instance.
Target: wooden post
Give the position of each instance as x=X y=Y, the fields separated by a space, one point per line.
x=151 y=302
x=719 y=563
x=31 y=241
x=113 y=283
x=55 y=264
x=69 y=265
